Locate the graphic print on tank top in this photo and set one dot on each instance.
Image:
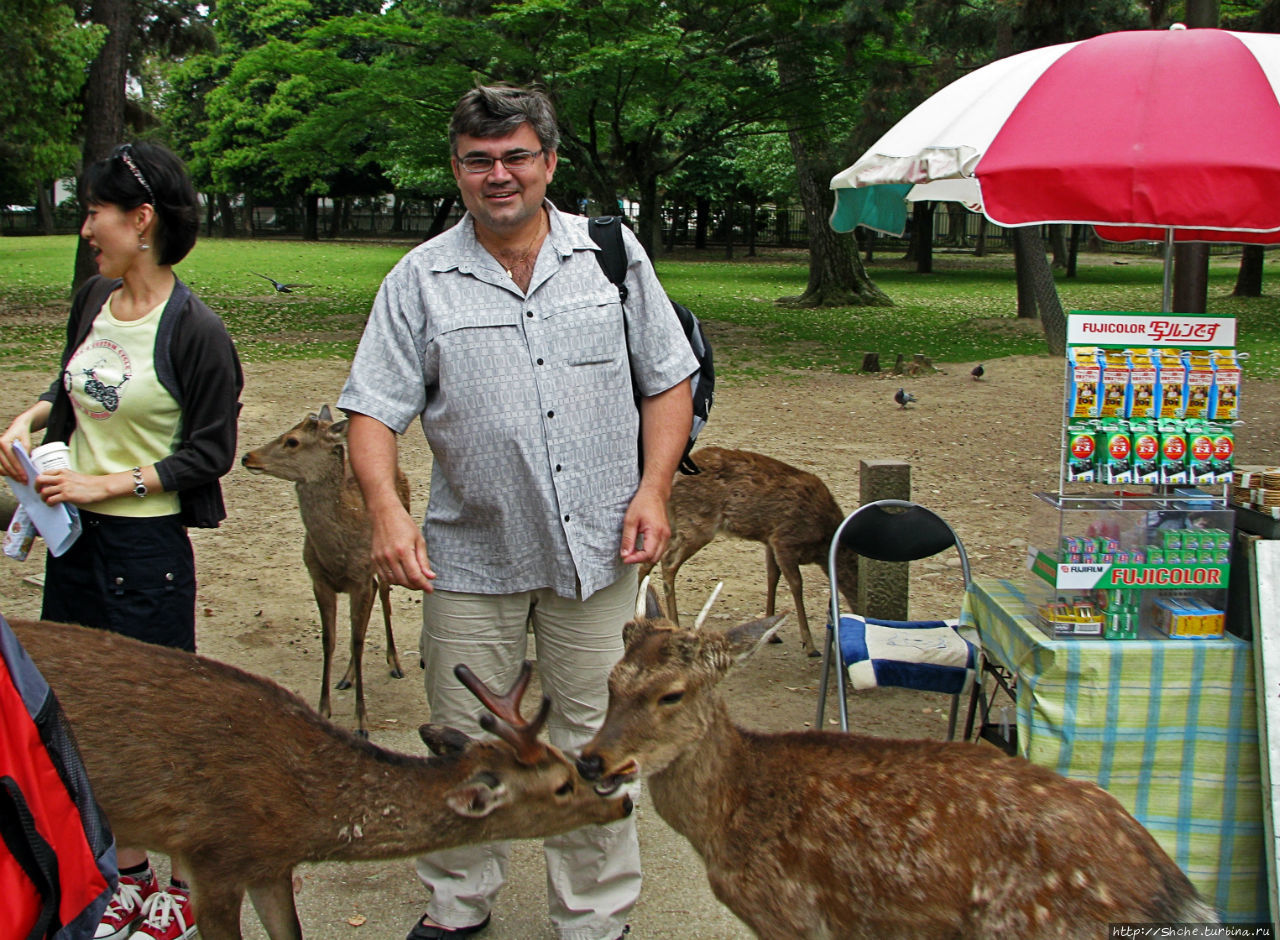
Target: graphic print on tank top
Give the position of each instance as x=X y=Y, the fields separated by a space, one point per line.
x=96 y=377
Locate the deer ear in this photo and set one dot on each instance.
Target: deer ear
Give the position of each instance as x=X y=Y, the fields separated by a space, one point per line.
x=746 y=638
x=633 y=632
x=325 y=413
x=478 y=798
x=339 y=428
x=443 y=740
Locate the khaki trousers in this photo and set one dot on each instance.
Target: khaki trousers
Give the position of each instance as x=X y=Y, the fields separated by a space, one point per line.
x=593 y=873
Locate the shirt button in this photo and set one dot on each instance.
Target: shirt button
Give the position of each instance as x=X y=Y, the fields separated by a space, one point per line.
x=551 y=414
x=539 y=362
x=566 y=518
x=528 y=313
x=557 y=468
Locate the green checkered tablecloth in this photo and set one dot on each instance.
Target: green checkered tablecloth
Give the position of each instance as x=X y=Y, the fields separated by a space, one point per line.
x=1168 y=726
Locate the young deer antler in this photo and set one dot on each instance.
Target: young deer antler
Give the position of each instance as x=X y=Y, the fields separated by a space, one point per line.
x=505 y=719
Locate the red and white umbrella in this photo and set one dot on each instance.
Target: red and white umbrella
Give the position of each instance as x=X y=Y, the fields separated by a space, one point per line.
x=1163 y=135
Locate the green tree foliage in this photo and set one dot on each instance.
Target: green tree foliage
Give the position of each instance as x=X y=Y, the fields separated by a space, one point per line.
x=46 y=55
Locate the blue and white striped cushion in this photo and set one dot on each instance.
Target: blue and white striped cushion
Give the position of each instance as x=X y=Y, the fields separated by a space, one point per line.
x=924 y=654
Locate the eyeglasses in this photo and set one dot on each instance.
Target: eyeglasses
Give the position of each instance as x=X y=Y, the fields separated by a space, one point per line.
x=519 y=160
x=124 y=152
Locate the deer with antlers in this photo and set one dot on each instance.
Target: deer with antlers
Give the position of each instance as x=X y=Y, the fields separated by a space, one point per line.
x=267 y=783
x=827 y=834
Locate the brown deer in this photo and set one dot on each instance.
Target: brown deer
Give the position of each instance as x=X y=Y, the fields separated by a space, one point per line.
x=336 y=549
x=264 y=783
x=827 y=834
x=751 y=496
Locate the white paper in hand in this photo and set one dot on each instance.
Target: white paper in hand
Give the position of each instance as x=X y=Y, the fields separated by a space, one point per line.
x=59 y=525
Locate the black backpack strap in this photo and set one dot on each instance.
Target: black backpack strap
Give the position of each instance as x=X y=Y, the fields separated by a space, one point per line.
x=606 y=231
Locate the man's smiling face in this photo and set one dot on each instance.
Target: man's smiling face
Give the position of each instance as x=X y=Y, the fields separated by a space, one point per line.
x=501 y=200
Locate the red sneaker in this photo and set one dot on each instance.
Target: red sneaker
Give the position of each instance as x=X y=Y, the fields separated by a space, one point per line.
x=125 y=907
x=166 y=916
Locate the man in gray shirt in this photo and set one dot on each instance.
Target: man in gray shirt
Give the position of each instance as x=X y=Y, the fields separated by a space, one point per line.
x=507 y=339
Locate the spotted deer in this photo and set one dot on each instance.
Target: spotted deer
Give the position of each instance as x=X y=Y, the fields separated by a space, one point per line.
x=241 y=780
x=751 y=496
x=336 y=548
x=825 y=834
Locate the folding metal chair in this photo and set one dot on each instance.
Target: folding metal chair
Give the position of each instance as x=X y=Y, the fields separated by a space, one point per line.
x=927 y=655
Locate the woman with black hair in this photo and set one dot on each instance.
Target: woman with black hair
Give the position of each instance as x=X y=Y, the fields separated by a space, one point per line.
x=147 y=402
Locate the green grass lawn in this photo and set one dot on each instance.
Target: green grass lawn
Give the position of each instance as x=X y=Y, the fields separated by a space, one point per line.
x=964 y=311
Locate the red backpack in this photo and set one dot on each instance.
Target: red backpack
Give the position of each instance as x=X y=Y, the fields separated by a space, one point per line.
x=57 y=855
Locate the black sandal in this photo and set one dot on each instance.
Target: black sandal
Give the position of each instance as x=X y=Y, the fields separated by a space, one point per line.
x=422 y=931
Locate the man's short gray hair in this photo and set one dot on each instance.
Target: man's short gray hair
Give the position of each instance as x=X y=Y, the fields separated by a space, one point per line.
x=498 y=110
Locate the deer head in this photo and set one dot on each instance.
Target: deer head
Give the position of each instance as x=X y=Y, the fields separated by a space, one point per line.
x=662 y=693
x=517 y=770
x=307 y=451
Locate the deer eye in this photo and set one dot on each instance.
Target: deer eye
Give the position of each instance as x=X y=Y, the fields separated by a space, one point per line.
x=565 y=788
x=671 y=698
x=290 y=442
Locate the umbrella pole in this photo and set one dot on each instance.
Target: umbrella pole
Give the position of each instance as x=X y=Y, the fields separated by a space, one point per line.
x=1167 y=297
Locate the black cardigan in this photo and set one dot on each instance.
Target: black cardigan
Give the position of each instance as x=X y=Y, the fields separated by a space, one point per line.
x=197 y=364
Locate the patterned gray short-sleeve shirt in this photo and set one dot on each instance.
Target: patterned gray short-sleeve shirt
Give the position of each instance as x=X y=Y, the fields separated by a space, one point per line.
x=526 y=401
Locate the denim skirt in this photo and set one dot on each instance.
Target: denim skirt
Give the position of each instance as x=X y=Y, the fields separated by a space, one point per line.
x=131 y=576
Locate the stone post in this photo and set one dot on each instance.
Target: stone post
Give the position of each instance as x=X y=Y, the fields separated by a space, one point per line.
x=883 y=586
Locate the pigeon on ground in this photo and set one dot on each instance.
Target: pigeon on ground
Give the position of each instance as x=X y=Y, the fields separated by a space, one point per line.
x=977 y=372
x=280 y=288
x=902 y=396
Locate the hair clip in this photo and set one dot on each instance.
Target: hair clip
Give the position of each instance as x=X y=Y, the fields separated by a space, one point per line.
x=123 y=152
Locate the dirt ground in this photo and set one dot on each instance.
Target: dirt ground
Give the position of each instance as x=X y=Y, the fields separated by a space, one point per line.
x=978 y=452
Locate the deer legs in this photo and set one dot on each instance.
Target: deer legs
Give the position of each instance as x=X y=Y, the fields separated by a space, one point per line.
x=361 y=608
x=776 y=563
x=393 y=658
x=273 y=901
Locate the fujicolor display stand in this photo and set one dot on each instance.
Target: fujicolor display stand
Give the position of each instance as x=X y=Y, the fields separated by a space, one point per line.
x=1137 y=539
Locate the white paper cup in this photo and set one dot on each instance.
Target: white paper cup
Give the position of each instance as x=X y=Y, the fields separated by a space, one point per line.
x=51 y=456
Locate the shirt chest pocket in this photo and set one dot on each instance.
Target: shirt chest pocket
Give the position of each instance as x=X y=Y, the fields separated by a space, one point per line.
x=588 y=332
x=468 y=329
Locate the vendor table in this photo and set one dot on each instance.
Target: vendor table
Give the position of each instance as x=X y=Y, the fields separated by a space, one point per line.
x=1167 y=726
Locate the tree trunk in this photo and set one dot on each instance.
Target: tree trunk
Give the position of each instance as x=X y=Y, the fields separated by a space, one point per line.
x=1190 y=278
x=1058 y=246
x=44 y=206
x=1249 y=280
x=700 y=227
x=441 y=216
x=103 y=123
x=1022 y=272
x=398 y=203
x=729 y=211
x=1191 y=262
x=311 y=218
x=836 y=274
x=340 y=208
x=226 y=215
x=1073 y=250
x=980 y=249
x=752 y=209
x=956 y=219
x=1032 y=260
x=647 y=230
